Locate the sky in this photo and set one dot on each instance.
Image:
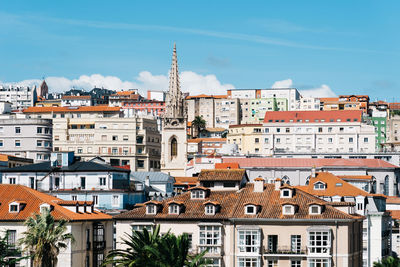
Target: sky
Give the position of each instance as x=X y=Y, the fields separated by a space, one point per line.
x=322 y=48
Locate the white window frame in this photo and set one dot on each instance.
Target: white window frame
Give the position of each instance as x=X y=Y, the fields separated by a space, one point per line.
x=319 y=242
x=210 y=237
x=173 y=209
x=198 y=194
x=319 y=183
x=209 y=209
x=115 y=203
x=285 y=207
x=310 y=210
x=286 y=190
x=151 y=209
x=13 y=204
x=253 y=236
x=246 y=211
x=249 y=262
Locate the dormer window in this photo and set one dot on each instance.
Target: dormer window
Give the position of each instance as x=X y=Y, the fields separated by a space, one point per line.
x=286 y=193
x=151 y=209
x=319 y=186
x=315 y=209
x=14 y=208
x=288 y=209
x=250 y=209
x=173 y=209
x=44 y=208
x=198 y=194
x=210 y=209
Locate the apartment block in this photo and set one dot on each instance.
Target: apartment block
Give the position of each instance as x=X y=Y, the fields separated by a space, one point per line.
x=253 y=109
x=26 y=137
x=258 y=224
x=19 y=97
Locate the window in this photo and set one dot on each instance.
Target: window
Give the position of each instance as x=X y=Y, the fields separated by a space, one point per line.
x=80 y=150
x=210 y=238
x=95 y=199
x=320 y=129
x=350 y=139
x=74 y=197
x=140 y=163
x=104 y=137
x=115 y=137
x=319 y=242
x=330 y=140
x=365 y=139
x=286 y=193
x=287 y=130
x=288 y=210
x=295 y=243
x=115 y=200
x=360 y=206
x=256 y=140
x=11 y=238
x=174 y=148
x=266 y=140
x=249 y=241
x=197 y=194
x=17 y=143
x=315 y=209
x=272 y=243
x=329 y=129
x=318 y=262
x=250 y=209
x=14 y=207
x=272 y=263
x=125 y=138
x=173 y=209
x=278 y=130
x=151 y=209
x=17 y=130
x=12 y=180
x=249 y=262
x=102 y=181
x=1 y=143
x=296 y=263
x=210 y=209
x=319 y=186
x=83 y=182
x=39 y=130
x=278 y=140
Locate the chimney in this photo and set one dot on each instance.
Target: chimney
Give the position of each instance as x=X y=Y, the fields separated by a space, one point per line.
x=278 y=183
x=313 y=172
x=259 y=184
x=147 y=181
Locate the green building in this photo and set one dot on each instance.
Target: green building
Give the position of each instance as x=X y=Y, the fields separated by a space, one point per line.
x=258 y=107
x=380 y=130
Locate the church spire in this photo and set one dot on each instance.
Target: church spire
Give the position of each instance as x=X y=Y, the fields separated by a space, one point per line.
x=175 y=102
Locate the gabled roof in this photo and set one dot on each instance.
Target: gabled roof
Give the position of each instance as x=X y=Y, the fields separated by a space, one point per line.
x=334 y=186
x=78 y=166
x=307 y=163
x=233 y=204
x=311 y=116
x=33 y=199
x=222 y=175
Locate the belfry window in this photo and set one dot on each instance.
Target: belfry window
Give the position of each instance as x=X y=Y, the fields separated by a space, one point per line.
x=174 y=148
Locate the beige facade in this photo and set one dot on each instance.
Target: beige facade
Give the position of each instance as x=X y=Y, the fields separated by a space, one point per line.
x=120 y=141
x=248 y=138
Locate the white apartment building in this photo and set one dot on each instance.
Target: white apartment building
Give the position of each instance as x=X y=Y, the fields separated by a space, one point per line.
x=102 y=131
x=76 y=100
x=305 y=131
x=26 y=137
x=308 y=103
x=259 y=224
x=227 y=112
x=20 y=97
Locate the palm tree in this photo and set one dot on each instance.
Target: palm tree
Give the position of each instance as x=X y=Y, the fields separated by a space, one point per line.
x=150 y=249
x=388 y=262
x=199 y=124
x=45 y=238
x=9 y=254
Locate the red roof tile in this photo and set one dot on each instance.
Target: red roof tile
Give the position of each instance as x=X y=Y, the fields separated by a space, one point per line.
x=307 y=162
x=33 y=199
x=222 y=175
x=71 y=109
x=311 y=116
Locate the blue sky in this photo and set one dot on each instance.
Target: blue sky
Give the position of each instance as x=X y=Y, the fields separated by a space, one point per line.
x=340 y=46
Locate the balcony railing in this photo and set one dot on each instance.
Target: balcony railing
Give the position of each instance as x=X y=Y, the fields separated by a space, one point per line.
x=286 y=250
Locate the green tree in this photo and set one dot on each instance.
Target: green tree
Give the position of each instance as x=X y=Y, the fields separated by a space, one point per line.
x=44 y=238
x=199 y=124
x=9 y=254
x=150 y=249
x=388 y=262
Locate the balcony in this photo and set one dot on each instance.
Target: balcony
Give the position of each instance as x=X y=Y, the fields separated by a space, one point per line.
x=285 y=251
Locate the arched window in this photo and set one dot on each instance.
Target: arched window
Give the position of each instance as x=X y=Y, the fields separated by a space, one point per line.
x=373 y=185
x=386 y=186
x=308 y=179
x=286 y=180
x=174 y=147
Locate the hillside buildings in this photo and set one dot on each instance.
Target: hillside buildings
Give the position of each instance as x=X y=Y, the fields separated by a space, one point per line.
x=19 y=97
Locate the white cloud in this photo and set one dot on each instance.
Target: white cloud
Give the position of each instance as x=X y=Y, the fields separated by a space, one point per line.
x=283 y=84
x=191 y=82
x=322 y=91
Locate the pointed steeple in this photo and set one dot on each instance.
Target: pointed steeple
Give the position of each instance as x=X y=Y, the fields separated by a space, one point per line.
x=175 y=102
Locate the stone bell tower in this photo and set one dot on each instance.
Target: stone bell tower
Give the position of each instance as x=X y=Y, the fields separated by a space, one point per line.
x=174 y=122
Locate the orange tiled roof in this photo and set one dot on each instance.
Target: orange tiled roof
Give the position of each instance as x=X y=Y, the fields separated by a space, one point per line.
x=395 y=214
x=310 y=116
x=222 y=175
x=100 y=108
x=33 y=199
x=232 y=165
x=329 y=99
x=76 y=97
x=392 y=200
x=308 y=163
x=355 y=177
x=332 y=186
x=186 y=180
x=126 y=93
x=233 y=206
